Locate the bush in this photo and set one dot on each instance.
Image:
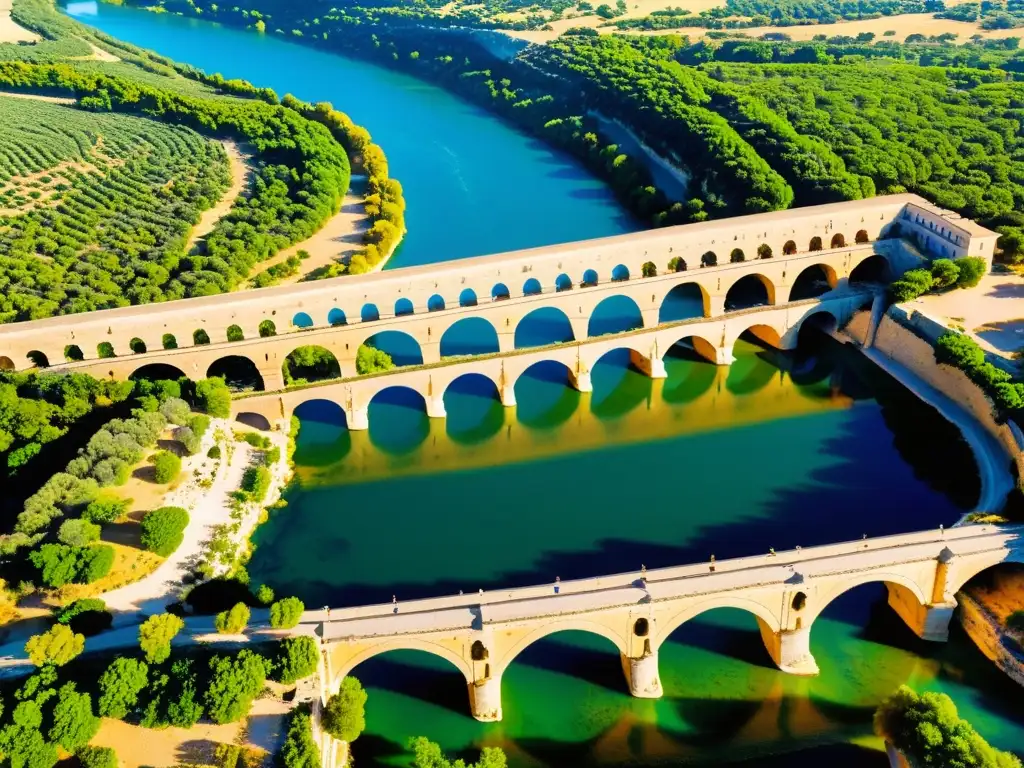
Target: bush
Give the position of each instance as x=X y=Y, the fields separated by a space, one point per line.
x=286 y=612
x=176 y=411
x=232 y=621
x=271 y=456
x=166 y=467
x=958 y=350
x=97 y=757
x=214 y=452
x=87 y=617
x=120 y=686
x=256 y=483
x=427 y=754
x=255 y=439
x=155 y=636
x=265 y=594
x=105 y=508
x=299 y=750
x=199 y=423
x=95 y=563
x=945 y=273
x=184 y=710
x=372 y=360
x=164 y=529
x=234 y=683
x=57 y=646
x=344 y=717
x=57 y=563
x=73 y=723
x=213 y=397
x=911 y=285
x=297 y=657
x=188 y=440
x=78 y=533
x=972 y=269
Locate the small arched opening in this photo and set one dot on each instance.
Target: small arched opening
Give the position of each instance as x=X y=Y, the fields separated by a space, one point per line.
x=435 y=303
x=683 y=302
x=620 y=273
x=310 y=363
x=531 y=287
x=267 y=329
x=398 y=420
x=838 y=241
x=105 y=349
x=402 y=348
x=474 y=409
x=873 y=270
x=234 y=333
x=709 y=259
x=38 y=359
x=737 y=256
x=369 y=313
x=563 y=283
x=589 y=278
x=403 y=307
x=812 y=282
x=789 y=248
x=6 y=364
x=500 y=292
x=302 y=320
x=649 y=269
x=676 y=264
x=469 y=336
x=72 y=353
x=815 y=244
x=764 y=251
x=541 y=327
x=861 y=236
x=467 y=298
x=137 y=346
x=168 y=341
x=200 y=337
x=616 y=314
x=239 y=373
x=750 y=291
x=336 y=317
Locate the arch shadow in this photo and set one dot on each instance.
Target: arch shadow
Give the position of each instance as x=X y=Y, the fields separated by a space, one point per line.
x=398 y=420
x=544 y=397
x=475 y=412
x=469 y=336
x=541 y=327
x=615 y=314
x=684 y=302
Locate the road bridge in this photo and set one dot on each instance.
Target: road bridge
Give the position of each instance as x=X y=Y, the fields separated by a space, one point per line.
x=773 y=256
x=481 y=634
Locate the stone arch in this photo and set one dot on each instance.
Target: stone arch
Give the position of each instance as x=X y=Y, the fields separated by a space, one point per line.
x=467 y=298
x=626 y=316
x=6 y=364
x=709 y=259
x=684 y=301
x=409 y=406
x=168 y=341
x=200 y=337
x=789 y=248
x=38 y=359
x=267 y=329
x=302 y=320
x=824 y=319
x=105 y=349
x=890 y=580
x=500 y=292
x=737 y=256
x=158 y=371
x=766 y=334
x=403 y=348
x=482 y=377
x=813 y=281
x=962 y=576
x=563 y=283
x=815 y=244
x=404 y=307
x=569 y=624
x=590 y=278
x=234 y=333
x=323 y=422
x=472 y=403
x=137 y=346
x=764 y=251
x=369 y=313
x=239 y=372
x=861 y=236
x=676 y=264
x=254 y=420
x=400 y=644
x=469 y=336
x=620 y=273
x=532 y=287
x=698 y=345
x=754 y=290
x=547 y=325
x=336 y=317
x=308 y=363
x=435 y=303
x=72 y=353
x=873 y=269
x=763 y=614
x=838 y=241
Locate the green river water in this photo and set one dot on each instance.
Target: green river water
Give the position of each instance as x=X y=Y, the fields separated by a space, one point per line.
x=774 y=451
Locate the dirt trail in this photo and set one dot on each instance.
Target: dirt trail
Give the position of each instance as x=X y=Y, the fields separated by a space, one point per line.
x=11 y=32
x=240 y=159
x=65 y=100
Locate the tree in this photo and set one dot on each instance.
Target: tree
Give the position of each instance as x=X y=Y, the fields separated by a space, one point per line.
x=57 y=646
x=97 y=757
x=176 y=411
x=58 y=563
x=372 y=360
x=344 y=717
x=78 y=533
x=234 y=683
x=105 y=508
x=232 y=621
x=297 y=657
x=155 y=635
x=299 y=750
x=265 y=594
x=120 y=685
x=188 y=439
x=88 y=616
x=427 y=754
x=94 y=563
x=163 y=529
x=22 y=743
x=166 y=467
x=213 y=397
x=972 y=269
x=945 y=273
x=74 y=723
x=184 y=710
x=286 y=612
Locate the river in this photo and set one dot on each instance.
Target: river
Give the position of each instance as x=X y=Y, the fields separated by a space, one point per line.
x=775 y=451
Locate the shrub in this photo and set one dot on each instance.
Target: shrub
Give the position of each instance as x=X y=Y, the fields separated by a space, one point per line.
x=199 y=423
x=78 y=533
x=166 y=467
x=271 y=456
x=105 y=508
x=959 y=351
x=87 y=617
x=372 y=360
x=945 y=273
x=344 y=717
x=213 y=397
x=120 y=686
x=188 y=439
x=256 y=482
x=265 y=594
x=299 y=750
x=155 y=636
x=234 y=683
x=97 y=757
x=57 y=646
x=184 y=710
x=427 y=754
x=972 y=269
x=297 y=657
x=232 y=621
x=286 y=612
x=214 y=452
x=164 y=529
x=73 y=723
x=911 y=285
x=176 y=411
x=95 y=563
x=58 y=564
x=255 y=439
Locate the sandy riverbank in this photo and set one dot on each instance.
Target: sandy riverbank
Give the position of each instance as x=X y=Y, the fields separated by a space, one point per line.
x=240 y=160
x=10 y=32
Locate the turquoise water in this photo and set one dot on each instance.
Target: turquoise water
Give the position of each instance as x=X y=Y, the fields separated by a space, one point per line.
x=473 y=184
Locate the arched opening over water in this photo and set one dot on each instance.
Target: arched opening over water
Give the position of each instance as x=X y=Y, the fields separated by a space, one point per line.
x=544 y=396
x=398 y=420
x=267 y=329
x=404 y=307
x=435 y=303
x=541 y=327
x=6 y=364
x=620 y=273
x=467 y=298
x=474 y=408
x=302 y=320
x=168 y=341
x=789 y=248
x=750 y=291
x=72 y=353
x=618 y=385
x=563 y=283
x=239 y=373
x=574 y=648
x=336 y=317
x=310 y=363
x=815 y=244
x=811 y=362
x=737 y=256
x=469 y=336
x=500 y=292
x=683 y=302
x=158 y=372
x=403 y=348
x=589 y=278
x=38 y=359
x=254 y=420
x=615 y=314
x=369 y=313
x=812 y=282
x=861 y=236
x=709 y=259
x=838 y=241
x=137 y=346
x=691 y=367
x=323 y=437
x=531 y=287
x=873 y=270
x=757 y=360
